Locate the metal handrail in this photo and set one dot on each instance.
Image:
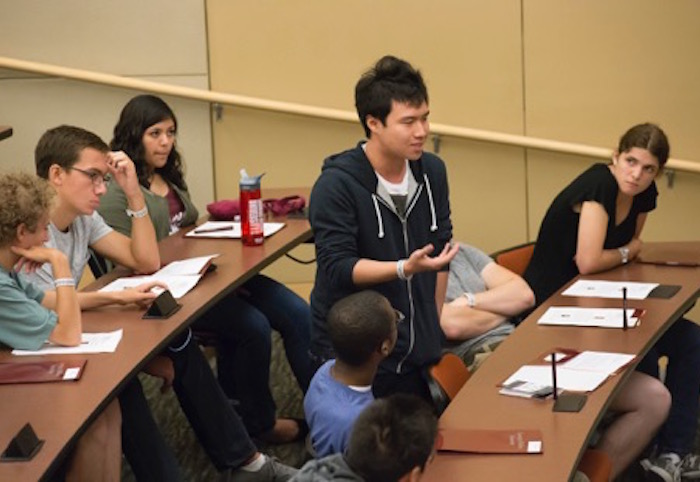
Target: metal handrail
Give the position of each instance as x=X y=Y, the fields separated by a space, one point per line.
x=311 y=111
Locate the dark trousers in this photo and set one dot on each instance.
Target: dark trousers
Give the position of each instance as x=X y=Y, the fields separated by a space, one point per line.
x=151 y=459
x=387 y=383
x=242 y=324
x=681 y=344
x=217 y=426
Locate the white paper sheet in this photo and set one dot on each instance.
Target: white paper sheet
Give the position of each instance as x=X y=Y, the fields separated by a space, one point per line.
x=228 y=229
x=610 y=289
x=567 y=379
x=598 y=361
x=595 y=317
x=179 y=276
x=179 y=286
x=190 y=266
x=91 y=343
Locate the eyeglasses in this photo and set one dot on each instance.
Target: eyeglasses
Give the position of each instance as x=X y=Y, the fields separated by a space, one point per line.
x=97 y=178
x=399 y=316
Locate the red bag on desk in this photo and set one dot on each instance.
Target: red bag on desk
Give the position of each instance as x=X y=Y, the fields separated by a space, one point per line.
x=228 y=209
x=224 y=210
x=284 y=206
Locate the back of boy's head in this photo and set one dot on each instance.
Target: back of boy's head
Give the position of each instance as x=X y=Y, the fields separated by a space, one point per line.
x=391 y=79
x=358 y=324
x=62 y=145
x=391 y=437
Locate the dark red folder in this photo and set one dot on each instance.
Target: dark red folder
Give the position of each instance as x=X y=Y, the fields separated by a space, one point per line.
x=41 y=371
x=490 y=441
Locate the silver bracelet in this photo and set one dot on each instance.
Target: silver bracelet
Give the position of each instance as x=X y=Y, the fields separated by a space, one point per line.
x=400 y=270
x=471 y=299
x=64 y=282
x=141 y=213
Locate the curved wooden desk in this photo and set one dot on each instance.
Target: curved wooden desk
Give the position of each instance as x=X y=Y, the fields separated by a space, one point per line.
x=478 y=405
x=59 y=412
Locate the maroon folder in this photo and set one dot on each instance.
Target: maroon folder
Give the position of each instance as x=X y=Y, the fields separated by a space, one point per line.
x=490 y=441
x=41 y=371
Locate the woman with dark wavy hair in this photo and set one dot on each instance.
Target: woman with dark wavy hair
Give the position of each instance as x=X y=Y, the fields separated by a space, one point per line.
x=147 y=132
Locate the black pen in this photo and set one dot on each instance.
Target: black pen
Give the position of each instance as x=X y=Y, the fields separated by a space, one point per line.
x=554 y=376
x=212 y=230
x=624 y=307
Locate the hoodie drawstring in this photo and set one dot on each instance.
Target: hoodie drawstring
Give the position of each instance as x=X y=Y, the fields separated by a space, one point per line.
x=380 y=223
x=433 y=226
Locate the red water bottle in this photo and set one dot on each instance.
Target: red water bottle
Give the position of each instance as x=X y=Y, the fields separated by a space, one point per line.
x=252 y=219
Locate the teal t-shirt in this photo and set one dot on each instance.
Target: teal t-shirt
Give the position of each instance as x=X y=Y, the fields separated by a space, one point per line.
x=24 y=322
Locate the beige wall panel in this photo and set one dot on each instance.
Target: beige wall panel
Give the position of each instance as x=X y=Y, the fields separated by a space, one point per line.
x=594 y=68
x=310 y=53
x=314 y=51
x=129 y=37
x=487 y=193
x=677 y=216
x=289 y=149
x=31 y=106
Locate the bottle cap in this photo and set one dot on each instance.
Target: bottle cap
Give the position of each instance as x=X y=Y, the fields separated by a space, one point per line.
x=250 y=181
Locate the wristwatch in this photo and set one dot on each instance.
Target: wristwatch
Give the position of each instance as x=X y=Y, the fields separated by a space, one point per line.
x=624 y=254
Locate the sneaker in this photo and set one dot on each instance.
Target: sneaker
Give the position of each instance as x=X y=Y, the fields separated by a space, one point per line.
x=580 y=477
x=690 y=467
x=272 y=471
x=664 y=468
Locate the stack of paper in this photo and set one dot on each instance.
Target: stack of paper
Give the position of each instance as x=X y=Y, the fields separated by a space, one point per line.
x=597 y=317
x=179 y=276
x=582 y=373
x=610 y=289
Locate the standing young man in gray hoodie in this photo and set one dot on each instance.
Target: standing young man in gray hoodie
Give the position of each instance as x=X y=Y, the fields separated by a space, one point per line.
x=380 y=214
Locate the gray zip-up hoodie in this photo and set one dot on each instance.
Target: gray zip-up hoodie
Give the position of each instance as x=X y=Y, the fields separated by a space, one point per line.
x=332 y=468
x=353 y=217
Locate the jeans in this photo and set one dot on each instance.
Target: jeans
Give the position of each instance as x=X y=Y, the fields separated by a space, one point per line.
x=218 y=428
x=151 y=459
x=243 y=324
x=681 y=344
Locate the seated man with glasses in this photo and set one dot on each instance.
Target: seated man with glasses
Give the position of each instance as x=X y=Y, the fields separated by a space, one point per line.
x=362 y=328
x=76 y=163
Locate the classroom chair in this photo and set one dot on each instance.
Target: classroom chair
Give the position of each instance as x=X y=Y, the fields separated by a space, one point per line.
x=445 y=379
x=515 y=258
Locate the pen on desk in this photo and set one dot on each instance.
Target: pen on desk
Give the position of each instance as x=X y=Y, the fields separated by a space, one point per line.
x=624 y=307
x=213 y=230
x=554 y=376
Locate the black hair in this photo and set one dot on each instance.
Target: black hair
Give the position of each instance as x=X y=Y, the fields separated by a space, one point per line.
x=358 y=324
x=391 y=437
x=391 y=79
x=136 y=117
